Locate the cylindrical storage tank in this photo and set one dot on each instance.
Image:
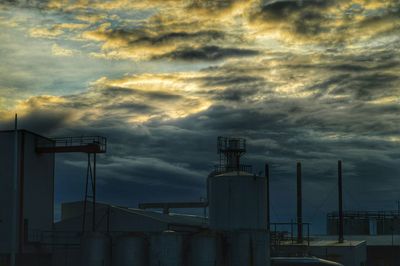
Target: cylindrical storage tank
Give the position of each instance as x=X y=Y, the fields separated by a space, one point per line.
x=130 y=250
x=166 y=249
x=237 y=201
x=203 y=250
x=239 y=249
x=248 y=248
x=95 y=249
x=260 y=248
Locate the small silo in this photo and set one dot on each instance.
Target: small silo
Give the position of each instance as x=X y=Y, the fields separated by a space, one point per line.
x=130 y=250
x=96 y=249
x=166 y=249
x=203 y=250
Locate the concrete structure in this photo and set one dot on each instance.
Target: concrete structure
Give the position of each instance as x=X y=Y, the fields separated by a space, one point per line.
x=35 y=194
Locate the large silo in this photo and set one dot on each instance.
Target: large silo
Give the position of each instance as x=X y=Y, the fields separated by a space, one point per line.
x=238 y=206
x=237 y=201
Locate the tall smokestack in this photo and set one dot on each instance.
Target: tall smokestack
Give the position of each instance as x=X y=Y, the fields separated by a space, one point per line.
x=299 y=206
x=14 y=217
x=268 y=198
x=341 y=238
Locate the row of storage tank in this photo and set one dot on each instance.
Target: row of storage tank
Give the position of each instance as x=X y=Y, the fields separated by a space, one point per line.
x=237 y=233
x=171 y=248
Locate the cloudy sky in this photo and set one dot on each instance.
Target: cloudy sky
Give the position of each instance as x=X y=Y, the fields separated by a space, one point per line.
x=312 y=81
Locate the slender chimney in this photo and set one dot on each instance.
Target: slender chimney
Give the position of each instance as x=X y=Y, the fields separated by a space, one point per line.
x=299 y=206
x=268 y=197
x=341 y=238
x=14 y=214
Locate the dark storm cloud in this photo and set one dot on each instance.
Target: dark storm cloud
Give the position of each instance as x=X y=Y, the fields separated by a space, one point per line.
x=143 y=38
x=207 y=53
x=210 y=5
x=41 y=122
x=329 y=23
x=226 y=79
x=306 y=17
x=279 y=10
x=149 y=37
x=40 y=4
x=368 y=86
x=124 y=92
x=132 y=107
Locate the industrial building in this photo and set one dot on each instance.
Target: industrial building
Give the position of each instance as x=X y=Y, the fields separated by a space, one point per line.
x=236 y=231
x=33 y=202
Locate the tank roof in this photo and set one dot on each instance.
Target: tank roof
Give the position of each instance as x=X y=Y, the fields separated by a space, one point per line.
x=236 y=173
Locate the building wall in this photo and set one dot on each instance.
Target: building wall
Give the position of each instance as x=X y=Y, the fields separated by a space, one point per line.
x=35 y=187
x=6 y=186
x=38 y=186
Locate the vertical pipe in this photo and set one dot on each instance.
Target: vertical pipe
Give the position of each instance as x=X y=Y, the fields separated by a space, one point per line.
x=21 y=193
x=341 y=238
x=14 y=197
x=94 y=194
x=299 y=206
x=268 y=196
x=88 y=172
